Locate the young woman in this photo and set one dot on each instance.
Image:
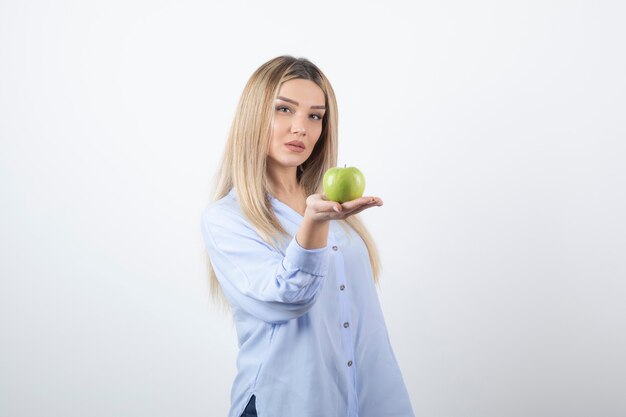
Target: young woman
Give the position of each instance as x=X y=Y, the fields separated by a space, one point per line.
x=298 y=271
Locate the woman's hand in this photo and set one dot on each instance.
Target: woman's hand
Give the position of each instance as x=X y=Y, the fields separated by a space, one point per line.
x=319 y=208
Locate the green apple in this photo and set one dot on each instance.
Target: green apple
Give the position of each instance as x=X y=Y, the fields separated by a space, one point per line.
x=343 y=184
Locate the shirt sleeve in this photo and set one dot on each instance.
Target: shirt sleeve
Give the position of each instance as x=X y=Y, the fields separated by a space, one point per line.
x=257 y=278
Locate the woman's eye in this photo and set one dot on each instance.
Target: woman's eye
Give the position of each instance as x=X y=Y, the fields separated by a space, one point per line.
x=282 y=109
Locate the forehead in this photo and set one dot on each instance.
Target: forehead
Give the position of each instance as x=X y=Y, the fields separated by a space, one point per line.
x=303 y=91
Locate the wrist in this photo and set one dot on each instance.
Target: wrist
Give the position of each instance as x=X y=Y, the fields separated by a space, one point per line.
x=315 y=218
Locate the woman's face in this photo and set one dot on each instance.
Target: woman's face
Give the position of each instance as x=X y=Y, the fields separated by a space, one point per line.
x=298 y=113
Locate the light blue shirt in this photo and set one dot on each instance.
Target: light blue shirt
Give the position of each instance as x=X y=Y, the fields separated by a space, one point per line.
x=311 y=332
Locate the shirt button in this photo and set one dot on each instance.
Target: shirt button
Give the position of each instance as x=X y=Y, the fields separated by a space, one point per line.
x=334 y=248
x=342 y=287
x=346 y=324
x=349 y=363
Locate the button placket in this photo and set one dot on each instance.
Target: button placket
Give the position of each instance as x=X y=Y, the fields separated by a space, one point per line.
x=336 y=248
x=344 y=301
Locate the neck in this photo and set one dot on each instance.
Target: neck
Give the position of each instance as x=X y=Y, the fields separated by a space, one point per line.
x=283 y=180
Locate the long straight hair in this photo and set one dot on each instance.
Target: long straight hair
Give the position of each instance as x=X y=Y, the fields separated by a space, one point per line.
x=243 y=163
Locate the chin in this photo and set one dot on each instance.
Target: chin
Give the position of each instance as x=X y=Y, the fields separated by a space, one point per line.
x=286 y=162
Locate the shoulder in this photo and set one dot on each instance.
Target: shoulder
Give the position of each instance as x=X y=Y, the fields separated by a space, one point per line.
x=224 y=213
x=224 y=225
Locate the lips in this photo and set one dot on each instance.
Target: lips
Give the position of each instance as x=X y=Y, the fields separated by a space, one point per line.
x=296 y=143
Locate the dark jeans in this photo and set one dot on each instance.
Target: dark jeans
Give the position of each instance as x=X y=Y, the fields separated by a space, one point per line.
x=250 y=410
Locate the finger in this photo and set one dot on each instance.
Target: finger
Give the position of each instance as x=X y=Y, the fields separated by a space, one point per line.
x=329 y=207
x=351 y=205
x=369 y=202
x=360 y=209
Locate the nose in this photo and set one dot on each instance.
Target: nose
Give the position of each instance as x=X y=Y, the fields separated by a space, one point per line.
x=298 y=125
x=299 y=130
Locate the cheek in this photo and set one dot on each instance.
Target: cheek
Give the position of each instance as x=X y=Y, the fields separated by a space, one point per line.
x=318 y=132
x=274 y=129
x=278 y=124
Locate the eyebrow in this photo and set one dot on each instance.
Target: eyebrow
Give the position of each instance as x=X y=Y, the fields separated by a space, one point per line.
x=297 y=104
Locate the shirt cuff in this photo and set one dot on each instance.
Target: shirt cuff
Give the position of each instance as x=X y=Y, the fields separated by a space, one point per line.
x=311 y=261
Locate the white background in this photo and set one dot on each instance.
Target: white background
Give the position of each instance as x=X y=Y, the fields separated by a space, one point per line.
x=494 y=132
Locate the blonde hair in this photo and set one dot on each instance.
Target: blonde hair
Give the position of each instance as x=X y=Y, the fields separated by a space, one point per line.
x=243 y=163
